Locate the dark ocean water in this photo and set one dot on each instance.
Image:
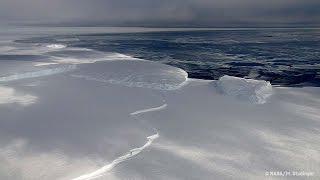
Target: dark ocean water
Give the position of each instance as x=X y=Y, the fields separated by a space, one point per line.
x=284 y=57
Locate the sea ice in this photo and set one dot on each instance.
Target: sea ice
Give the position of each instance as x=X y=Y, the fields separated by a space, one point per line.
x=56 y=46
x=134 y=73
x=255 y=91
x=36 y=74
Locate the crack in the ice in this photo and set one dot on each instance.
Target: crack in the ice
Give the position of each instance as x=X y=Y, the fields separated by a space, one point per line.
x=102 y=171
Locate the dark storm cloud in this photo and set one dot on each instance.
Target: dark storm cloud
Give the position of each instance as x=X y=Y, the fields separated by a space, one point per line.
x=162 y=12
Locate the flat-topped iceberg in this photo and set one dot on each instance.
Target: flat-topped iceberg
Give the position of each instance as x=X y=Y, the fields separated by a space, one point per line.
x=255 y=91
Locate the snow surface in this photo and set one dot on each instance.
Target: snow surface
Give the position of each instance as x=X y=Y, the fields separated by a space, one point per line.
x=86 y=123
x=102 y=171
x=9 y=95
x=133 y=152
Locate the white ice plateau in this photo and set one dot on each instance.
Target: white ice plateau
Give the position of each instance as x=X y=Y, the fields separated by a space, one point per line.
x=72 y=113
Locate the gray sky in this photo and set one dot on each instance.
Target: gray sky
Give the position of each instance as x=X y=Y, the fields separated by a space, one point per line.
x=162 y=12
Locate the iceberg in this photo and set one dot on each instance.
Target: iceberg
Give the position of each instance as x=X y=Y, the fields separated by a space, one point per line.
x=254 y=91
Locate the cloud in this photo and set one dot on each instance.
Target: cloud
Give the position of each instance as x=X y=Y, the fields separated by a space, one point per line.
x=161 y=13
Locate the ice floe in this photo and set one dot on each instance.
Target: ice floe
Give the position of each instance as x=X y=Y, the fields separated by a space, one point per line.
x=142 y=74
x=84 y=56
x=255 y=91
x=56 y=46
